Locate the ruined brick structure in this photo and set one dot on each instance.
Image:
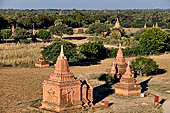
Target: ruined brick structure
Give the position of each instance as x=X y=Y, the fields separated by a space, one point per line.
x=118 y=67
x=127 y=85
x=41 y=62
x=63 y=91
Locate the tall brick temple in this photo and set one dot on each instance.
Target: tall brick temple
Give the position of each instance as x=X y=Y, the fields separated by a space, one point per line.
x=118 y=67
x=127 y=85
x=62 y=91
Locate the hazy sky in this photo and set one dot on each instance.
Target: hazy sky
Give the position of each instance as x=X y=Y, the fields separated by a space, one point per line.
x=84 y=4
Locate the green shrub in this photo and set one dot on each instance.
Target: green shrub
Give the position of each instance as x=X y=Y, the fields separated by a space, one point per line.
x=128 y=52
x=145 y=66
x=97 y=28
x=138 y=33
x=52 y=51
x=154 y=40
x=43 y=34
x=6 y=33
x=21 y=35
x=169 y=25
x=93 y=50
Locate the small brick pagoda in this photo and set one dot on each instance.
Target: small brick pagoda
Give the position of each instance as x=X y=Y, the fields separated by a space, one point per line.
x=156 y=25
x=145 y=26
x=118 y=67
x=117 y=25
x=62 y=91
x=13 y=30
x=41 y=62
x=127 y=85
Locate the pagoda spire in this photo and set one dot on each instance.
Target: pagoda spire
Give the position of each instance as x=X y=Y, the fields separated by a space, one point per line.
x=62 y=52
x=119 y=53
x=120 y=58
x=145 y=26
x=153 y=26
x=128 y=73
x=61 y=63
x=117 y=24
x=156 y=25
x=113 y=68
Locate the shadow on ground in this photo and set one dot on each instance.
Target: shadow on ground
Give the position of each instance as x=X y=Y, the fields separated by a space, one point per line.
x=144 y=85
x=101 y=92
x=161 y=71
x=75 y=38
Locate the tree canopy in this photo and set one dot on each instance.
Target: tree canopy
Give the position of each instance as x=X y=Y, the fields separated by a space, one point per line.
x=154 y=40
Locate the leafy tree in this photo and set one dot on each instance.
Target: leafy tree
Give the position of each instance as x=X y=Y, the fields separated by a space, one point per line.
x=42 y=21
x=25 y=22
x=52 y=51
x=169 y=25
x=60 y=29
x=144 y=66
x=97 y=28
x=93 y=50
x=43 y=34
x=138 y=33
x=115 y=34
x=6 y=33
x=21 y=35
x=154 y=40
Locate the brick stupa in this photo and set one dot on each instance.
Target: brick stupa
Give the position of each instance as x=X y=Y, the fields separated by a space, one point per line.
x=127 y=85
x=119 y=66
x=13 y=30
x=117 y=25
x=145 y=26
x=62 y=91
x=156 y=25
x=41 y=62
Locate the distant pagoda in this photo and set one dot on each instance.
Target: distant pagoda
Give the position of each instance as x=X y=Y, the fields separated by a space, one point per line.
x=127 y=85
x=41 y=62
x=156 y=25
x=117 y=24
x=145 y=26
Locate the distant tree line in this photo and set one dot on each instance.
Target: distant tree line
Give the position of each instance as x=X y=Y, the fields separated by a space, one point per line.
x=82 y=18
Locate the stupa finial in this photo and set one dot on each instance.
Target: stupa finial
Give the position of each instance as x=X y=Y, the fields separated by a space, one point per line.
x=61 y=52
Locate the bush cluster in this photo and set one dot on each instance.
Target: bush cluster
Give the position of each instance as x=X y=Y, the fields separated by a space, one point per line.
x=144 y=66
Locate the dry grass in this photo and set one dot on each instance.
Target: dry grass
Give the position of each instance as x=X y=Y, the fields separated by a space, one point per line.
x=20 y=54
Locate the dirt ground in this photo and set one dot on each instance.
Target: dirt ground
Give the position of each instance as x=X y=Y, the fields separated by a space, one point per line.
x=20 y=87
